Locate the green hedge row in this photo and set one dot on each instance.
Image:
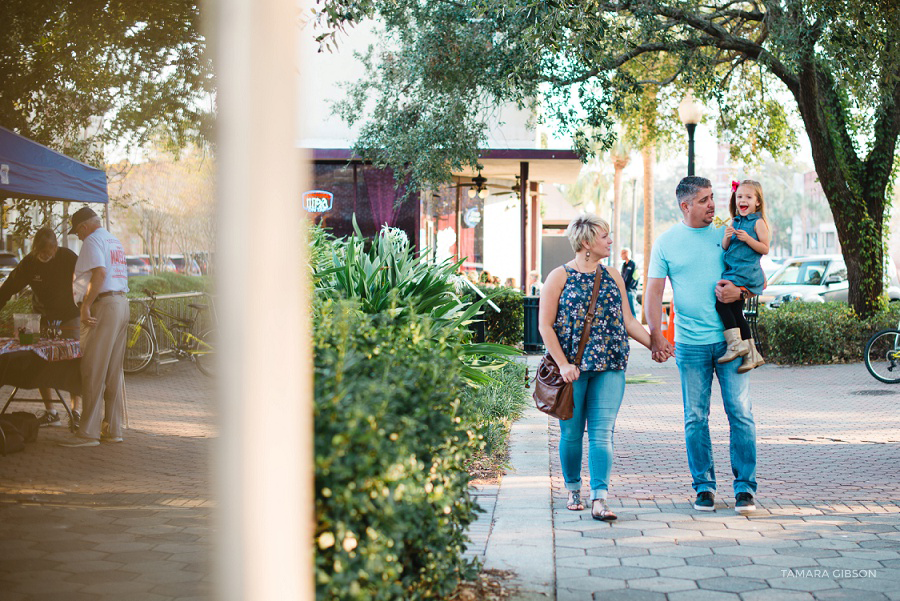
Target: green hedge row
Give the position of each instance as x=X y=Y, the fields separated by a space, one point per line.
x=405 y=403
x=819 y=333
x=392 y=441
x=168 y=283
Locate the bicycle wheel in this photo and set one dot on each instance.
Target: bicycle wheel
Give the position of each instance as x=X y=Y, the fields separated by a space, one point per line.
x=882 y=356
x=139 y=348
x=205 y=355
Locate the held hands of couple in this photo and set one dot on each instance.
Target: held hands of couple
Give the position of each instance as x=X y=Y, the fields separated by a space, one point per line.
x=660 y=348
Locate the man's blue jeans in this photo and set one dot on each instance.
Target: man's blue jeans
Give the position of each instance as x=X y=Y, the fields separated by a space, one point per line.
x=696 y=364
x=597 y=396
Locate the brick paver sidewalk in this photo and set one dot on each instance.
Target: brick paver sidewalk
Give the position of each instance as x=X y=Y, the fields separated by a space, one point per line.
x=823 y=433
x=827 y=524
x=118 y=521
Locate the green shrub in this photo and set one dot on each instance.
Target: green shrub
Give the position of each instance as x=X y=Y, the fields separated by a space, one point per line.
x=818 y=333
x=381 y=271
x=498 y=405
x=507 y=326
x=392 y=441
x=385 y=274
x=167 y=283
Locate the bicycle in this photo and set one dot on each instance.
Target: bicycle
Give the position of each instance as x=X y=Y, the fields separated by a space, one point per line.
x=142 y=342
x=882 y=356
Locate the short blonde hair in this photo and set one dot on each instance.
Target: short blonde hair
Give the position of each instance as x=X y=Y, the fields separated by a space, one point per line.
x=583 y=230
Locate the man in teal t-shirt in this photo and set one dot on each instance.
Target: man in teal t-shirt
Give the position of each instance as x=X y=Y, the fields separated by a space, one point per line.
x=690 y=255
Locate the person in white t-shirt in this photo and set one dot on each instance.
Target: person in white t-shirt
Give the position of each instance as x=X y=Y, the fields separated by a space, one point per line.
x=101 y=281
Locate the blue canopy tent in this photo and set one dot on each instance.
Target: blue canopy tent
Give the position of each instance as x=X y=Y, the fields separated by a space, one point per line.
x=30 y=170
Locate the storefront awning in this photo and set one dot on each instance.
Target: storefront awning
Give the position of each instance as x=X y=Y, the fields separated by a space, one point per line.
x=551 y=166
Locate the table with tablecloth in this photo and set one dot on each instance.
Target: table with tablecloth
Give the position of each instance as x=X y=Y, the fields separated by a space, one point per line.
x=54 y=364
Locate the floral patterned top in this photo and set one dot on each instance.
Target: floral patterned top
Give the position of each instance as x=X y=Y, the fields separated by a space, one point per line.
x=607 y=347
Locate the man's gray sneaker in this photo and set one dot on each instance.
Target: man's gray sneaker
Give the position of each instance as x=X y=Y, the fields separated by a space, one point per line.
x=743 y=503
x=705 y=501
x=46 y=418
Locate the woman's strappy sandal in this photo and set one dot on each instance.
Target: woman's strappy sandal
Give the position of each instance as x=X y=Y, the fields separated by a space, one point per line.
x=574 y=502
x=601 y=511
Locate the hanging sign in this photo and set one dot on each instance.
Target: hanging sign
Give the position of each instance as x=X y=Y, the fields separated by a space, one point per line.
x=472 y=217
x=318 y=201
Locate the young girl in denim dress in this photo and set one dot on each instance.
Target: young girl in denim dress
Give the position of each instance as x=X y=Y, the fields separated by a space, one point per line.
x=746 y=241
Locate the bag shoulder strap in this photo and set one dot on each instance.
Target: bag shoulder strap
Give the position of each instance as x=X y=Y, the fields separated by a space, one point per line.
x=589 y=318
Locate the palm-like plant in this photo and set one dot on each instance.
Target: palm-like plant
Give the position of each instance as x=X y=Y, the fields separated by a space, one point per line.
x=384 y=274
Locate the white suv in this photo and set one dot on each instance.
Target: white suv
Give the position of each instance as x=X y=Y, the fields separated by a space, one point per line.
x=817 y=279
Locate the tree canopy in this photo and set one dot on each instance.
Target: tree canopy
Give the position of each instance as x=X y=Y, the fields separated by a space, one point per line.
x=80 y=74
x=445 y=64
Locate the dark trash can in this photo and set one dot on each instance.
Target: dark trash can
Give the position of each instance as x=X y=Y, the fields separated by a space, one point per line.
x=477 y=328
x=533 y=342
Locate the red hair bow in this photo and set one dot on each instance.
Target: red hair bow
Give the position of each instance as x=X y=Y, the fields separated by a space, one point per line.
x=734 y=186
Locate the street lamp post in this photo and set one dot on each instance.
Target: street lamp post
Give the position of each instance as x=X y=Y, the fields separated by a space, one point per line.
x=690 y=112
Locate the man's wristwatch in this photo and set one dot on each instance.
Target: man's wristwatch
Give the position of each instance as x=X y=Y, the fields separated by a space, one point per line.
x=745 y=294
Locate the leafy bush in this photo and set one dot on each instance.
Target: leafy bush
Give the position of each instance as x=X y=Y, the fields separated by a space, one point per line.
x=498 y=405
x=381 y=271
x=507 y=326
x=385 y=274
x=818 y=333
x=392 y=440
x=167 y=283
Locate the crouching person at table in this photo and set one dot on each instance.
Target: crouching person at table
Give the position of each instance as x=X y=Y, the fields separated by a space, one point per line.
x=48 y=270
x=101 y=281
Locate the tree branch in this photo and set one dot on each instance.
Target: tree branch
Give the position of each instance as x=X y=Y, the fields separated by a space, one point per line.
x=716 y=36
x=879 y=163
x=664 y=82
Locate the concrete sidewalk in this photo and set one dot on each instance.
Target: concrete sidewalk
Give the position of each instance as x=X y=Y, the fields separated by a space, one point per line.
x=827 y=524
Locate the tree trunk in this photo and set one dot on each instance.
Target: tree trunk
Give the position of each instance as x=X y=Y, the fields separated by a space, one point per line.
x=855 y=189
x=618 y=234
x=648 y=153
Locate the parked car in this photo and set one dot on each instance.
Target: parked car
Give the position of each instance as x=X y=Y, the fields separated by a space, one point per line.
x=817 y=279
x=138 y=265
x=185 y=265
x=202 y=262
x=771 y=264
x=8 y=262
x=163 y=264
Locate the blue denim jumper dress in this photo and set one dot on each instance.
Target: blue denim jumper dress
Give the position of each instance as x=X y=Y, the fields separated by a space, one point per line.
x=742 y=262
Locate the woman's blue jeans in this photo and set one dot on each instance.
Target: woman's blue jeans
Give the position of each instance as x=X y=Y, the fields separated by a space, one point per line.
x=597 y=396
x=696 y=365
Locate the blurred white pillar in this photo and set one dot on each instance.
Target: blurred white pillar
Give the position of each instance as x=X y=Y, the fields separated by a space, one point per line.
x=263 y=461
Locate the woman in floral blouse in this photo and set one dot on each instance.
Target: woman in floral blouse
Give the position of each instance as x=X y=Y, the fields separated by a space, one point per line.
x=599 y=382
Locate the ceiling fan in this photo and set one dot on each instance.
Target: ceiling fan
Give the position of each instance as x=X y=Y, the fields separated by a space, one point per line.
x=516 y=187
x=478 y=186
